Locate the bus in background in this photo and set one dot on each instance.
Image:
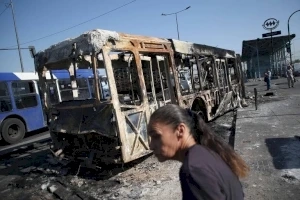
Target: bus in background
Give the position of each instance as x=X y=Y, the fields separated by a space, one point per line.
x=21 y=107
x=85 y=85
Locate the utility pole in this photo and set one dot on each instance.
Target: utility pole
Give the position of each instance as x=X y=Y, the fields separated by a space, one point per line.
x=175 y=13
x=20 y=55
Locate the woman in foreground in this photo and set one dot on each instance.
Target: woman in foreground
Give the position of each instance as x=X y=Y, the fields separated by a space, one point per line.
x=210 y=168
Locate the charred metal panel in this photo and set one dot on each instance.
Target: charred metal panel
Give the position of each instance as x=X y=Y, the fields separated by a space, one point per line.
x=225 y=104
x=86 y=43
x=81 y=117
x=200 y=49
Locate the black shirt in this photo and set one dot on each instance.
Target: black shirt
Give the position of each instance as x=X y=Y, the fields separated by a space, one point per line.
x=204 y=175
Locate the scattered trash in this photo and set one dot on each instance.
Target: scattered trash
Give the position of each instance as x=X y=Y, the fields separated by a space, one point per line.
x=28 y=169
x=289 y=177
x=45 y=186
x=135 y=193
x=157 y=182
x=270 y=94
x=77 y=181
x=52 y=188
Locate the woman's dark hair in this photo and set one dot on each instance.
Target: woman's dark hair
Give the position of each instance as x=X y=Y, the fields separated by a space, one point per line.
x=174 y=115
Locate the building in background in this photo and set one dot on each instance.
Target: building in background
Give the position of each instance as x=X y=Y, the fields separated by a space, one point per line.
x=257 y=56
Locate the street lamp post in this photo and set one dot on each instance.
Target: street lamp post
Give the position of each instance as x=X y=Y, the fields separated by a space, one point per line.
x=289 y=35
x=175 y=13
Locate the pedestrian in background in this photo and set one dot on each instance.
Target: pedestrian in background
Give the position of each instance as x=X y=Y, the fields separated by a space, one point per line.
x=290 y=76
x=210 y=168
x=268 y=79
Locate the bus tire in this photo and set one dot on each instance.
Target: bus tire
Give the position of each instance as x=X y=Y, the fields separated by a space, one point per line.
x=13 y=130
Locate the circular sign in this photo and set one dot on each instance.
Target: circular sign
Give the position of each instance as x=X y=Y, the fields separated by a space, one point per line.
x=271 y=24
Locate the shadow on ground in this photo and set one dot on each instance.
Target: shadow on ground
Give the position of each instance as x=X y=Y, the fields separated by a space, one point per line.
x=285 y=152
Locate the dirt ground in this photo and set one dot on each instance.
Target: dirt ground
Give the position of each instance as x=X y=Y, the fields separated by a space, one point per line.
x=32 y=173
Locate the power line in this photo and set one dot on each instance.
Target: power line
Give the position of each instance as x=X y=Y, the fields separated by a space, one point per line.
x=78 y=24
x=7 y=49
x=4 y=10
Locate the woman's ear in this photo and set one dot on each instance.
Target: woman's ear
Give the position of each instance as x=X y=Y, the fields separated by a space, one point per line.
x=181 y=130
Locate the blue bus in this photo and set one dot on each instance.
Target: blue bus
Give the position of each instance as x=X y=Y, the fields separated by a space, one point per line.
x=21 y=108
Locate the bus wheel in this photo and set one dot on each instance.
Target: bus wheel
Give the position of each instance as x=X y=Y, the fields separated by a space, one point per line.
x=13 y=130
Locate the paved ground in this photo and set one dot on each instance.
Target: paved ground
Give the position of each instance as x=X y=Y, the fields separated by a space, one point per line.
x=265 y=139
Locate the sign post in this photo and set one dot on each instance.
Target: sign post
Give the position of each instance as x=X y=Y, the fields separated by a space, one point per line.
x=271 y=24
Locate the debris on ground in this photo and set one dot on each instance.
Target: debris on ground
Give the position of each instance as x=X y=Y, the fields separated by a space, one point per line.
x=41 y=176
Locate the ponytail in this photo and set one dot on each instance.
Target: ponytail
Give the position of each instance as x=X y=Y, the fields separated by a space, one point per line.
x=204 y=136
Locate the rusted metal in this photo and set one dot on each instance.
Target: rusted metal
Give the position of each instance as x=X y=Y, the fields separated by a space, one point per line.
x=199 y=72
x=96 y=79
x=161 y=83
x=152 y=82
x=115 y=130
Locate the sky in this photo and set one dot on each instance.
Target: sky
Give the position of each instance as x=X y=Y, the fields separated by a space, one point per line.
x=220 y=23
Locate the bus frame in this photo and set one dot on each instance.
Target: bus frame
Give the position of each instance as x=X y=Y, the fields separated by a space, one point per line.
x=142 y=76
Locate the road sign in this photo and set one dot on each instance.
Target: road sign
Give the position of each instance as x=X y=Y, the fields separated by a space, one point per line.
x=271 y=34
x=271 y=24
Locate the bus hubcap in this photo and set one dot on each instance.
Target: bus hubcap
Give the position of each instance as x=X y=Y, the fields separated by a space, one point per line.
x=13 y=131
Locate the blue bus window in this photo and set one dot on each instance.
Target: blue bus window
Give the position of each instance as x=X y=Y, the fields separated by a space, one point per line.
x=5 y=102
x=66 y=89
x=24 y=94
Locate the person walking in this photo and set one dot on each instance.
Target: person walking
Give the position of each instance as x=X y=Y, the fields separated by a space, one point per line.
x=210 y=167
x=290 y=76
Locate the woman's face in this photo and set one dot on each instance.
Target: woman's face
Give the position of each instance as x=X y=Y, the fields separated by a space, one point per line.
x=165 y=141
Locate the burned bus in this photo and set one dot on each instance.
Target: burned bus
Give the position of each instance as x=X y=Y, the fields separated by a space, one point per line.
x=214 y=78
x=143 y=74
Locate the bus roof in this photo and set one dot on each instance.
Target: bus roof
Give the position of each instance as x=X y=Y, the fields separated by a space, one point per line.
x=200 y=49
x=58 y=54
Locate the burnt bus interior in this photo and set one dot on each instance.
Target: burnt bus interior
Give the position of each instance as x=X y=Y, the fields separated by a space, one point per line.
x=210 y=75
x=154 y=68
x=108 y=130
